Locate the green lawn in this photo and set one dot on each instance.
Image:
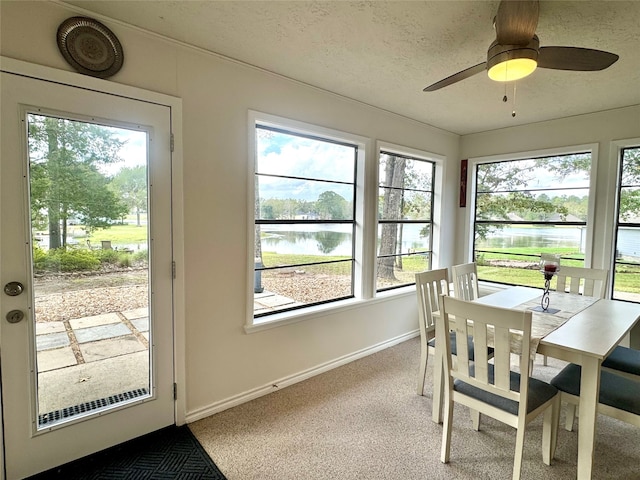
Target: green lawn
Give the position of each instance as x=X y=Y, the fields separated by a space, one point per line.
x=410 y=263
x=272 y=259
x=492 y=267
x=118 y=235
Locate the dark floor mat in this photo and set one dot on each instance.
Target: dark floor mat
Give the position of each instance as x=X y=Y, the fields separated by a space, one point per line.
x=170 y=453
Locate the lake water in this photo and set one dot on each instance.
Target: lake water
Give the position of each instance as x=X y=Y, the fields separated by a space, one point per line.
x=336 y=239
x=518 y=237
x=307 y=239
x=326 y=239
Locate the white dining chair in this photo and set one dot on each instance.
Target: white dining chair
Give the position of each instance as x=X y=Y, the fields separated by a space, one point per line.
x=429 y=286
x=465 y=281
x=623 y=361
x=619 y=396
x=591 y=282
x=492 y=388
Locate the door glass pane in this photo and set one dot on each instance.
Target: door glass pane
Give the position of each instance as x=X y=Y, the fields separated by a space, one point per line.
x=89 y=233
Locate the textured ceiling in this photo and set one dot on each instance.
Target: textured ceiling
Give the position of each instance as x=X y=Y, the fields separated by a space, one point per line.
x=384 y=53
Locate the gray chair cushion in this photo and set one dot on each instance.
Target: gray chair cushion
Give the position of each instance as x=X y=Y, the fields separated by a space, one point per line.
x=454 y=345
x=539 y=392
x=624 y=359
x=616 y=391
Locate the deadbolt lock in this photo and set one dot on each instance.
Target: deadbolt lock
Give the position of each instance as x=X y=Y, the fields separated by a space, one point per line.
x=15 y=316
x=13 y=289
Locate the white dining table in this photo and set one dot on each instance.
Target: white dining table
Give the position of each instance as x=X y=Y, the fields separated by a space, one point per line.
x=586 y=339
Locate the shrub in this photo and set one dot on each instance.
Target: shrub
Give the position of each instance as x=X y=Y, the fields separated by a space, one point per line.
x=68 y=260
x=107 y=256
x=124 y=260
x=141 y=256
x=39 y=259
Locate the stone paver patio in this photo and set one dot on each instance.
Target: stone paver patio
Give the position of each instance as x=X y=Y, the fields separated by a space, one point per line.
x=85 y=359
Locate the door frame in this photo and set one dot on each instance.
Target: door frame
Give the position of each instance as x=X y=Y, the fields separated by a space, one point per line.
x=72 y=79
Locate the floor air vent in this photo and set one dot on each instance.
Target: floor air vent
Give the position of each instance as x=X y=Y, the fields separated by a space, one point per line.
x=48 y=419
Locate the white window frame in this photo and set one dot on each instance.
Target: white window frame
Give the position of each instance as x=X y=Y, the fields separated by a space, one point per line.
x=437 y=205
x=364 y=279
x=611 y=240
x=359 y=281
x=549 y=152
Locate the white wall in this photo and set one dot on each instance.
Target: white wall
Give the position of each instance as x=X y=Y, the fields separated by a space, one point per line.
x=223 y=363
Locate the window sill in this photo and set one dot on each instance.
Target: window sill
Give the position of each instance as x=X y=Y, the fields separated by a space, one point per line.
x=334 y=308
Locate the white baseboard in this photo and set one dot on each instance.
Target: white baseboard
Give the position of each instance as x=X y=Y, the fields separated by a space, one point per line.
x=249 y=395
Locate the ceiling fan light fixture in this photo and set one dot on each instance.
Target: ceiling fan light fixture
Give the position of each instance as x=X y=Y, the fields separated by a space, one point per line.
x=513 y=69
x=506 y=63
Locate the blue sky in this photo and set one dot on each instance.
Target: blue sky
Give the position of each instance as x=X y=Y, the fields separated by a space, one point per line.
x=133 y=153
x=289 y=155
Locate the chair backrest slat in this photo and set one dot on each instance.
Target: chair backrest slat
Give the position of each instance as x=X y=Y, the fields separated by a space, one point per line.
x=482 y=359
x=502 y=357
x=462 y=359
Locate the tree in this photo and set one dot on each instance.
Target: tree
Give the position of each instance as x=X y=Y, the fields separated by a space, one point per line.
x=64 y=157
x=501 y=194
x=331 y=206
x=327 y=242
x=257 y=240
x=131 y=185
x=630 y=196
x=267 y=212
x=392 y=208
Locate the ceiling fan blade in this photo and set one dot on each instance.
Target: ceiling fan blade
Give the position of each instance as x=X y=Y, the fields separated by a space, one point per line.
x=516 y=21
x=575 y=58
x=456 y=77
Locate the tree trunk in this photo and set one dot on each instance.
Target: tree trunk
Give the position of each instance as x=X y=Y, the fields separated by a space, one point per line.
x=257 y=244
x=53 y=205
x=391 y=210
x=54 y=228
x=64 y=232
x=399 y=246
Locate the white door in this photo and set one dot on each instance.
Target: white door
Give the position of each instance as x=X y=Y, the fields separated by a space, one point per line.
x=86 y=334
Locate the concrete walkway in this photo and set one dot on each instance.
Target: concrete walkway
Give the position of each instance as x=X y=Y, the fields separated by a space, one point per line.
x=87 y=359
x=265 y=302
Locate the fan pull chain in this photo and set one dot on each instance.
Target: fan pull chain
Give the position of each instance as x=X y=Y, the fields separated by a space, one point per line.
x=504 y=99
x=513 y=113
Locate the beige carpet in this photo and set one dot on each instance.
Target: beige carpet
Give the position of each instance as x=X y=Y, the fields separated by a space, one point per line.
x=365 y=421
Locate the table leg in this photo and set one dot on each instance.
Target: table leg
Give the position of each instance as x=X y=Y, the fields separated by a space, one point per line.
x=589 y=391
x=438 y=385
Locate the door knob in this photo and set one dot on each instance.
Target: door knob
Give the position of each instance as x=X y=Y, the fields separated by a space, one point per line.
x=14 y=316
x=13 y=289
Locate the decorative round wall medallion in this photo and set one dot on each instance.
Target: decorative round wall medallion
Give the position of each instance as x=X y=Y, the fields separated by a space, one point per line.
x=90 y=47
